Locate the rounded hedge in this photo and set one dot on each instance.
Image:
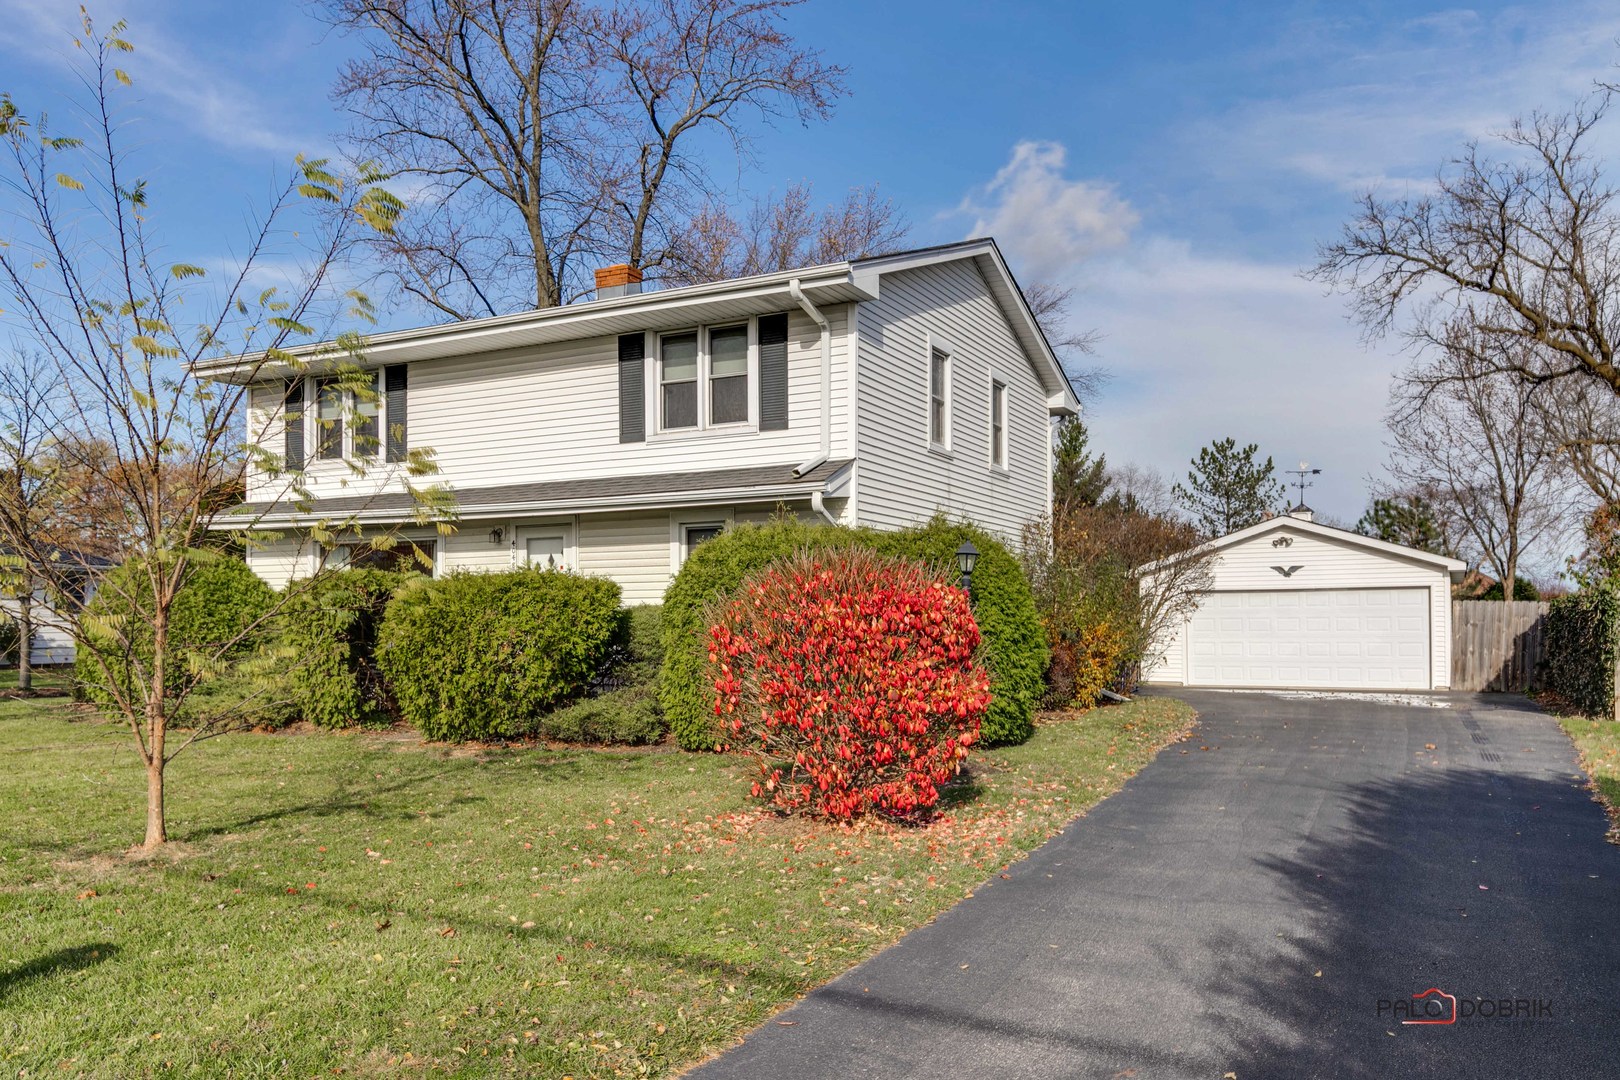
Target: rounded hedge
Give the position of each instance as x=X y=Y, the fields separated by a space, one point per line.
x=480 y=656
x=329 y=631
x=1014 y=643
x=219 y=598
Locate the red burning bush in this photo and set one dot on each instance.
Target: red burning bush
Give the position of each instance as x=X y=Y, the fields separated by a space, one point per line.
x=854 y=679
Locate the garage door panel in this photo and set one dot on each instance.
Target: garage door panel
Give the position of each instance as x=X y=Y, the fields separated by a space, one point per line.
x=1374 y=638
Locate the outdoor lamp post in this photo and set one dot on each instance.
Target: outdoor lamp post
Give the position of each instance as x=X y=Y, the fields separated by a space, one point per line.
x=966 y=556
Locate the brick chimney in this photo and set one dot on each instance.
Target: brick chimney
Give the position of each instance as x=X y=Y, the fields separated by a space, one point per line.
x=621 y=279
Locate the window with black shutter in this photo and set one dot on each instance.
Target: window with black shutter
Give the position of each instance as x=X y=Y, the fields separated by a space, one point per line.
x=293 y=426
x=394 y=411
x=773 y=372
x=632 y=388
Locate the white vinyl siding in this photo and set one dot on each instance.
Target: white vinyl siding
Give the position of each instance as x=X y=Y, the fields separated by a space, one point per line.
x=1328 y=566
x=631 y=549
x=279 y=561
x=504 y=418
x=900 y=479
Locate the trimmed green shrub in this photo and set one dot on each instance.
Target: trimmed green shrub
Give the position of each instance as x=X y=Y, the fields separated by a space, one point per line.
x=219 y=598
x=1014 y=644
x=481 y=656
x=711 y=574
x=624 y=710
x=1582 y=634
x=10 y=638
x=329 y=633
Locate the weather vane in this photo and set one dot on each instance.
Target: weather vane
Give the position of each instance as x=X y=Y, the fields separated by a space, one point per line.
x=1302 y=472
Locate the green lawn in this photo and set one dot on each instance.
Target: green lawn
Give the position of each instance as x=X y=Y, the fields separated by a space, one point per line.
x=1599 y=744
x=366 y=905
x=57 y=680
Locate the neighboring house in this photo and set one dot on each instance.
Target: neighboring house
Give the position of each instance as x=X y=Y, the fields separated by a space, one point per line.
x=613 y=436
x=1299 y=605
x=53 y=628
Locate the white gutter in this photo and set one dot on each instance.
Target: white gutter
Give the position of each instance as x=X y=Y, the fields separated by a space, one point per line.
x=826 y=384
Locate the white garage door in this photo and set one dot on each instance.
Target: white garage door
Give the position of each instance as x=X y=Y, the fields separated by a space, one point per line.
x=1372 y=638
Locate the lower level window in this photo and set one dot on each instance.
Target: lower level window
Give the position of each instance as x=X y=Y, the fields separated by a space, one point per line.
x=405 y=555
x=694 y=535
x=546 y=551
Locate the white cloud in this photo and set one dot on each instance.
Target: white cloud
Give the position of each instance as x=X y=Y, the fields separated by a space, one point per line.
x=1204 y=347
x=1047 y=223
x=1389 y=110
x=190 y=88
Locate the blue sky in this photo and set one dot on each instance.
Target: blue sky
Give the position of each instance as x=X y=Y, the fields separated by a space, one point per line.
x=1176 y=162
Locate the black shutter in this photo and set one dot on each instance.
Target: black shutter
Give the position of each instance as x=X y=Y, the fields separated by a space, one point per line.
x=293 y=426
x=773 y=372
x=632 y=388
x=394 y=407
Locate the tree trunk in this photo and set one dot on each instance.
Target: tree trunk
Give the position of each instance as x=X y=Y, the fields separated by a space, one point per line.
x=157 y=833
x=25 y=643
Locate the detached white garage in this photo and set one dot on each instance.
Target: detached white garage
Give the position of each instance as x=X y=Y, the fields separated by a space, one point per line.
x=1299 y=605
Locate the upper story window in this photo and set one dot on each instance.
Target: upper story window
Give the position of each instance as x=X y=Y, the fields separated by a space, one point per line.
x=348 y=421
x=998 y=424
x=703 y=377
x=728 y=375
x=329 y=420
x=678 y=380
x=939 y=397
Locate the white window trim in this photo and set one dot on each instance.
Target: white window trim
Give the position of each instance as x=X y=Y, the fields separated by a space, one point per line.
x=522 y=534
x=936 y=343
x=705 y=427
x=679 y=522
x=1001 y=386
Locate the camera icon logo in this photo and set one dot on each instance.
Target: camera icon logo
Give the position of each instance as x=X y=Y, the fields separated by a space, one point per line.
x=1437 y=1007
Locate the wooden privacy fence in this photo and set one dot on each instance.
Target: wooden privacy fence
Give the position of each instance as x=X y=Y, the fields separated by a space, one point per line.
x=1496 y=645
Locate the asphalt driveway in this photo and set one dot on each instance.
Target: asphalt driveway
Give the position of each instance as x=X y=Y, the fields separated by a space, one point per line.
x=1245 y=904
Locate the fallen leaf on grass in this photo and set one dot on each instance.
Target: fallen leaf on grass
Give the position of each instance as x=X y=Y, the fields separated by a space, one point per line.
x=448 y=931
x=383 y=924
x=88 y=894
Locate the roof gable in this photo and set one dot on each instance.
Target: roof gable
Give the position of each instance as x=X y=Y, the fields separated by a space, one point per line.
x=1455 y=567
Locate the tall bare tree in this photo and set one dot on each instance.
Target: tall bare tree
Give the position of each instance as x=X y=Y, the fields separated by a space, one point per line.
x=780 y=234
x=1050 y=303
x=1467 y=429
x=544 y=135
x=121 y=332
x=1523 y=247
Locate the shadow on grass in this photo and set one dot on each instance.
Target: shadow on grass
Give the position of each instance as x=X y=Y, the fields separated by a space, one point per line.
x=60 y=962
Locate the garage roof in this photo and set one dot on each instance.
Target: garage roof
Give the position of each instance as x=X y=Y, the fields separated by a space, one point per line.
x=1455 y=567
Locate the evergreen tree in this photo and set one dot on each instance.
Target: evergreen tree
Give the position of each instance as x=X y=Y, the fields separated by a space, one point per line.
x=1228 y=489
x=1408 y=520
x=1078 y=479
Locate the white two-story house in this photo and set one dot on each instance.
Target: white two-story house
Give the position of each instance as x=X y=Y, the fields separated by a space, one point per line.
x=612 y=436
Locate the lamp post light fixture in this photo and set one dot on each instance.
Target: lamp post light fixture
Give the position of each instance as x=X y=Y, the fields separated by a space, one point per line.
x=966 y=557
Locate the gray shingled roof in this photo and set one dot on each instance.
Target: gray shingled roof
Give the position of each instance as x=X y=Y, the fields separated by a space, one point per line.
x=606 y=490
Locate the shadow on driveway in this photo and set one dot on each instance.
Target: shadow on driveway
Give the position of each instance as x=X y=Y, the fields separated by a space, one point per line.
x=1179 y=929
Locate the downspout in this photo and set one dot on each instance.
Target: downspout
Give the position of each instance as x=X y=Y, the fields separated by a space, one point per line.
x=826 y=388
x=818 y=503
